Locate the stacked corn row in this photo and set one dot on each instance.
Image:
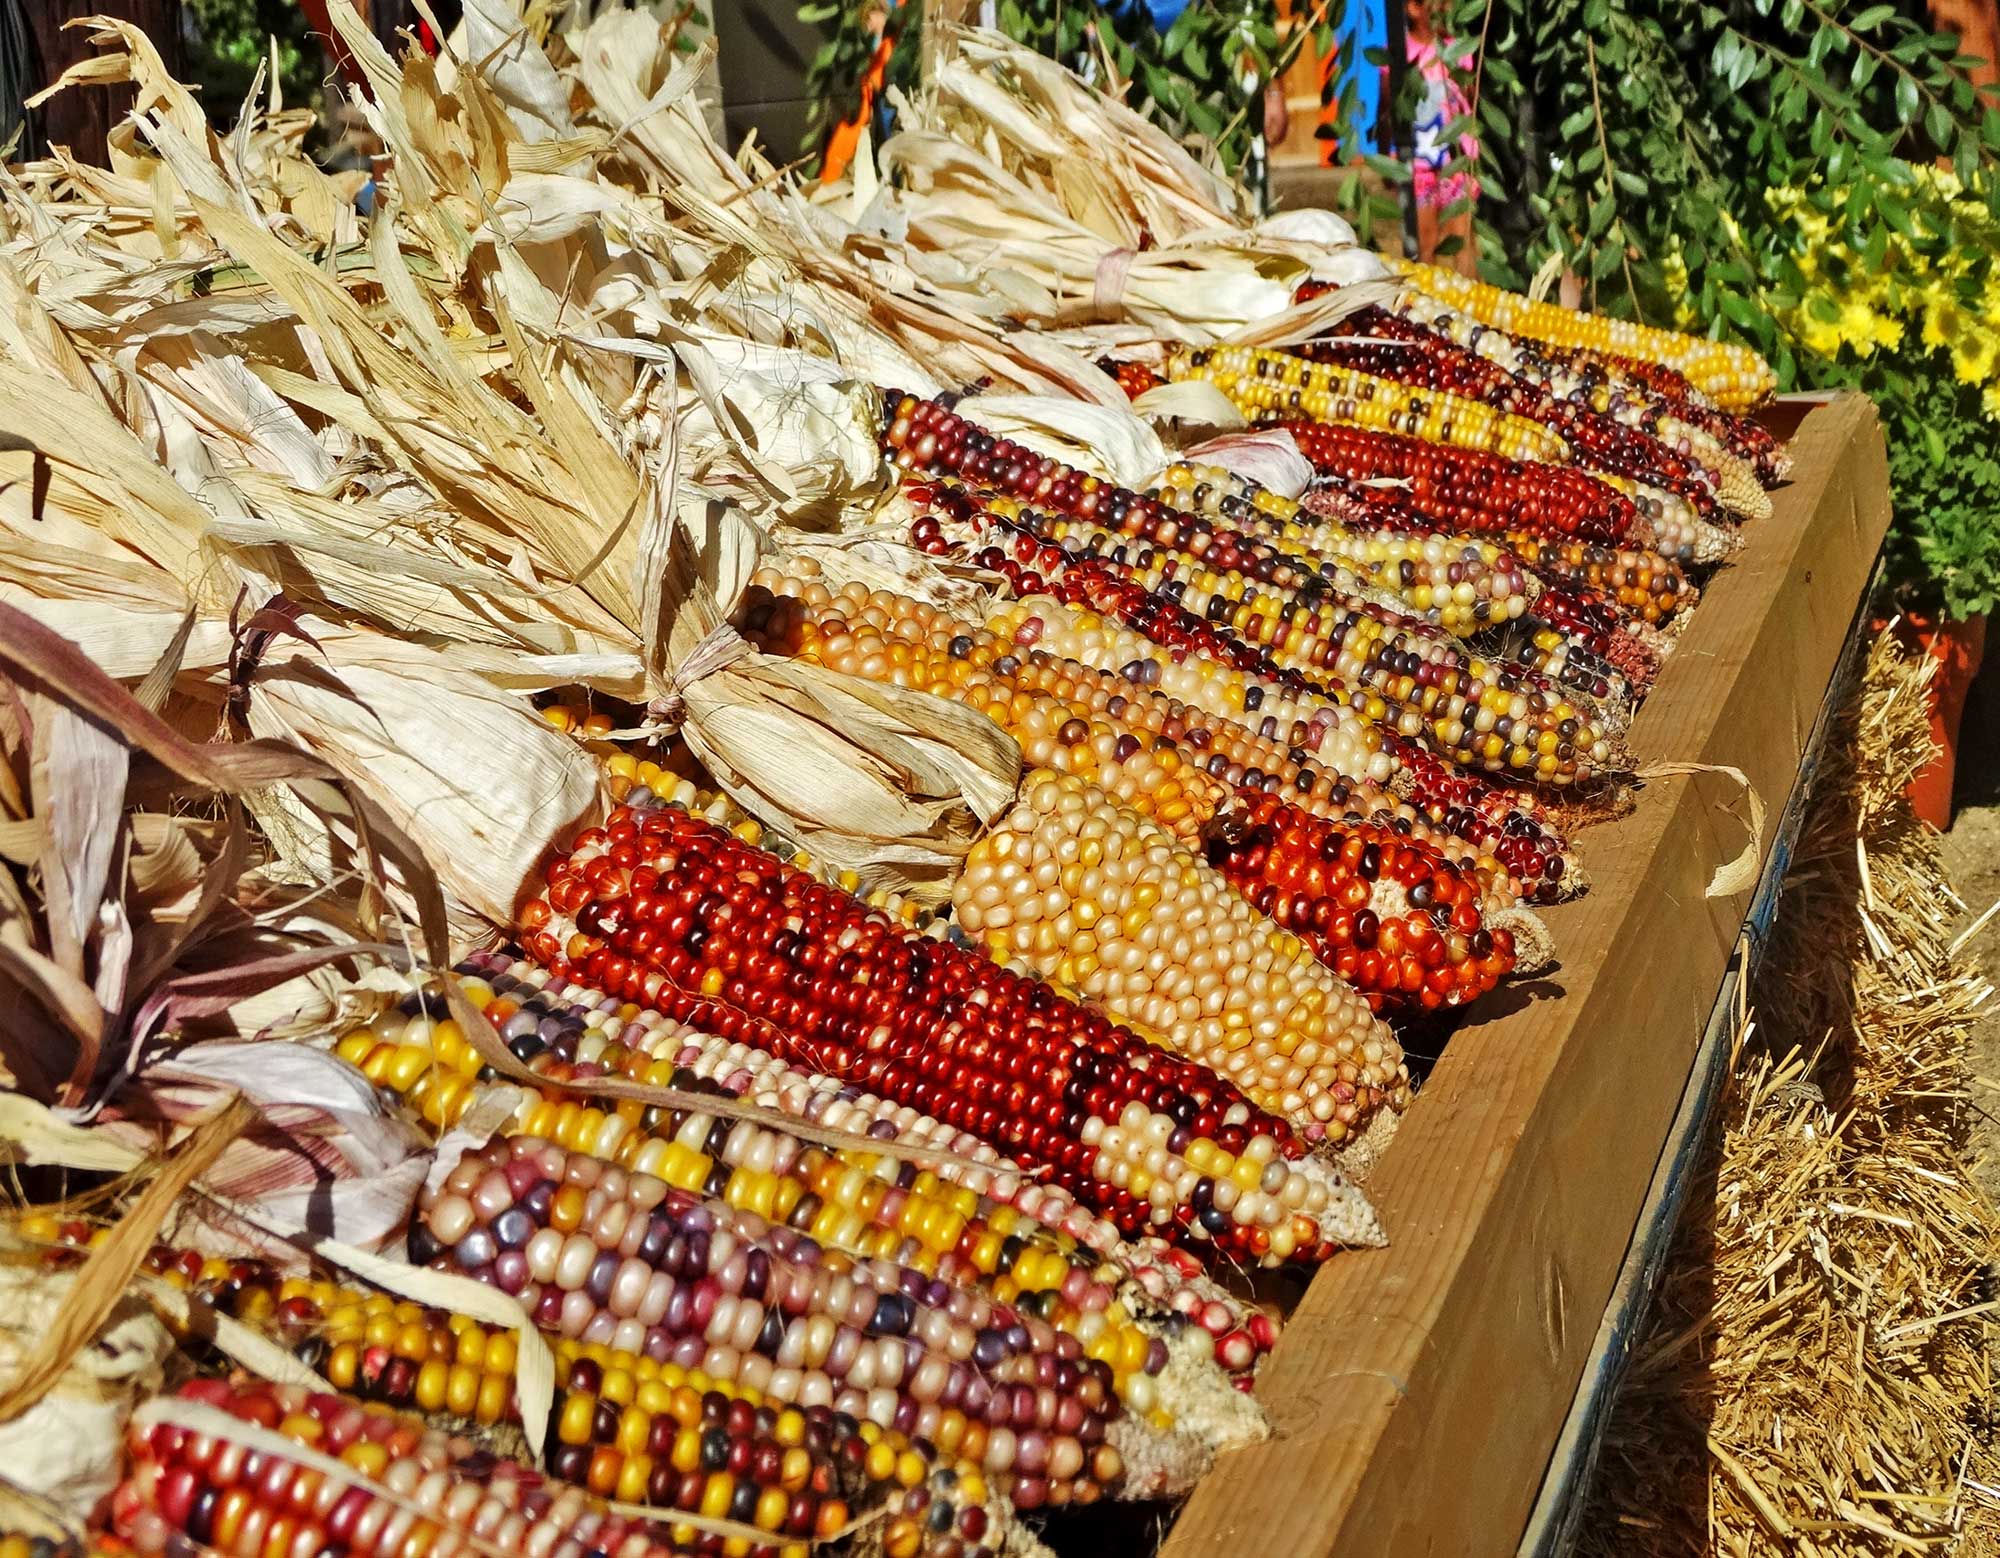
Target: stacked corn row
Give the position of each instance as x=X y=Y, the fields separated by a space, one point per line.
x=1033 y=886
x=1630 y=391
x=1733 y=377
x=1458 y=803
x=902 y=641
x=1501 y=721
x=635 y=908
x=624 y=1426
x=1580 y=624
x=1667 y=453
x=1647 y=587
x=854 y=629
x=1205 y=663
x=1271 y=386
x=1462 y=583
x=642 y=782
x=861 y=1204
x=752 y=1301
x=1205 y=667
x=1307 y=620
x=568 y=1032
x=1554 y=651
x=626 y=1420
x=401 y=1489
x=1409 y=483
x=1679 y=529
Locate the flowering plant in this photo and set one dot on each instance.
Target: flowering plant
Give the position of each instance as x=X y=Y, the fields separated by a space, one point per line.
x=1819 y=178
x=1908 y=316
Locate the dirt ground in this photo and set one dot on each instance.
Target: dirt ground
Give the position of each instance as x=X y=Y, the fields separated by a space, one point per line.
x=1972 y=850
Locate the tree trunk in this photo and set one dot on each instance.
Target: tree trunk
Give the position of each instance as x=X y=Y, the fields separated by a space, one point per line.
x=81 y=117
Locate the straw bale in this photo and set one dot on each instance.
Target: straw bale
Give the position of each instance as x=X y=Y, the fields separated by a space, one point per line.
x=1815 y=1377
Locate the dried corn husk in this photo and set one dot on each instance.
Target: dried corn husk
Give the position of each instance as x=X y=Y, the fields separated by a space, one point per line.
x=890 y=783
x=65 y=1448
x=480 y=782
x=1014 y=175
x=1108 y=441
x=361 y=458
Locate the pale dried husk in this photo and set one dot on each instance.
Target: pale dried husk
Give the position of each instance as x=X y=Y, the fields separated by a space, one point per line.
x=890 y=783
x=461 y=431
x=1013 y=176
x=66 y=1448
x=469 y=771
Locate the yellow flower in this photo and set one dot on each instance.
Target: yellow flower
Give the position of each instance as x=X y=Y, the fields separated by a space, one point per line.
x=1818 y=337
x=1857 y=325
x=1943 y=322
x=1989 y=401
x=1973 y=355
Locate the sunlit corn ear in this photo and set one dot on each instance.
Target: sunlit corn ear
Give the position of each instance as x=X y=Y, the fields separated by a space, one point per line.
x=1731 y=375
x=1278 y=386
x=1137 y=1145
x=573 y=1039
x=1555 y=716
x=1462 y=583
x=1176 y=763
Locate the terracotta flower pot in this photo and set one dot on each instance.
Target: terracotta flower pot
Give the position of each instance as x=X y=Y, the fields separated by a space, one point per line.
x=1958 y=647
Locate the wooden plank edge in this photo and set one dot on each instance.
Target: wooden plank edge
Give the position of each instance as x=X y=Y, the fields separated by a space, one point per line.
x=1364 y=1333
x=1555 y=1521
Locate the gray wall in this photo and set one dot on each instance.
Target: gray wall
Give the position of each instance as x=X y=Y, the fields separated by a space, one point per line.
x=765 y=49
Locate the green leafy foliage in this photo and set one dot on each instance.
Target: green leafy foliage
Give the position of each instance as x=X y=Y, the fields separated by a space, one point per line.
x=1668 y=149
x=233 y=37
x=1201 y=77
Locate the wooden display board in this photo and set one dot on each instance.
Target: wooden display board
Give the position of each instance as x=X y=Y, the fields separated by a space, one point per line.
x=1417 y=1391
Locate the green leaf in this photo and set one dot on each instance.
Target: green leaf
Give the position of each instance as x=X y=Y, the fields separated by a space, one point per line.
x=1906 y=98
x=1872 y=18
x=1941 y=127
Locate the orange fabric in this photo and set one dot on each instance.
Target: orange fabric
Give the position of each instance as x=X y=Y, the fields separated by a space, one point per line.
x=1976 y=23
x=846 y=135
